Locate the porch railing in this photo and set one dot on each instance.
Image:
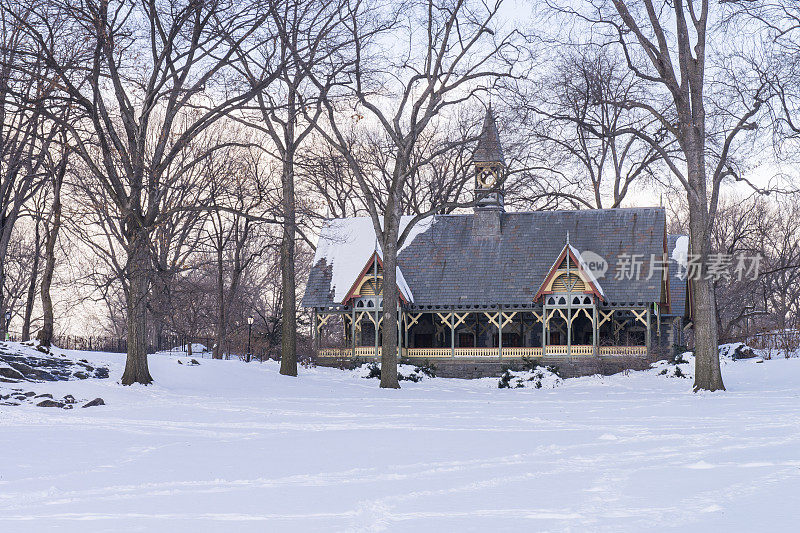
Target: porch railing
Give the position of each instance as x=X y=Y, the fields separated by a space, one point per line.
x=511 y=353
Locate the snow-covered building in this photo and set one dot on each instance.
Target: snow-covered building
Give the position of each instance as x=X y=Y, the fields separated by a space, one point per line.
x=491 y=284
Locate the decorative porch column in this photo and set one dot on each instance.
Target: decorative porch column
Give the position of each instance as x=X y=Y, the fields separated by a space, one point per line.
x=377 y=330
x=544 y=329
x=399 y=332
x=452 y=321
x=658 y=320
x=595 y=332
x=569 y=328
x=315 y=332
x=353 y=331
x=500 y=333
x=405 y=330
x=647 y=338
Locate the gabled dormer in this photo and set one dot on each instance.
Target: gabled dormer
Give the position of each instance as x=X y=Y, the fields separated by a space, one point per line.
x=368 y=286
x=569 y=276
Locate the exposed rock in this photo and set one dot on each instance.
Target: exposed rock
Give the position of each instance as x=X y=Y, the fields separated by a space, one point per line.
x=46 y=395
x=49 y=403
x=30 y=393
x=94 y=403
x=67 y=406
x=20 y=363
x=10 y=373
x=736 y=351
x=9 y=403
x=743 y=352
x=69 y=398
x=193 y=362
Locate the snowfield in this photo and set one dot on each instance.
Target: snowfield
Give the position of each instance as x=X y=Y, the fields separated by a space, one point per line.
x=226 y=446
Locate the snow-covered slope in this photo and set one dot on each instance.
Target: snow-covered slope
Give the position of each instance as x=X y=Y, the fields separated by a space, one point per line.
x=24 y=362
x=226 y=446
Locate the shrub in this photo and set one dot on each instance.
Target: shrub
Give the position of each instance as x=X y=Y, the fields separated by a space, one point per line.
x=677 y=353
x=374 y=370
x=427 y=368
x=505 y=380
x=529 y=363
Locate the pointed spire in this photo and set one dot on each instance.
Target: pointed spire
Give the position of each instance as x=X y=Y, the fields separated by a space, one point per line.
x=489 y=148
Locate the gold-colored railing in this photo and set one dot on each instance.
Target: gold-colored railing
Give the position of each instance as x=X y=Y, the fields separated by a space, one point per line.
x=437 y=353
x=623 y=350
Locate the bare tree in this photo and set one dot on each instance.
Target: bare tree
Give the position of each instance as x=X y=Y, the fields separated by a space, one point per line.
x=414 y=87
x=305 y=30
x=58 y=170
x=779 y=243
x=153 y=78
x=329 y=188
x=36 y=255
x=667 y=48
x=235 y=238
x=25 y=132
x=576 y=122
x=737 y=229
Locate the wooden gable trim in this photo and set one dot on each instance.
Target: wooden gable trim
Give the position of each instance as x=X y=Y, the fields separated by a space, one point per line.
x=357 y=283
x=557 y=267
x=667 y=299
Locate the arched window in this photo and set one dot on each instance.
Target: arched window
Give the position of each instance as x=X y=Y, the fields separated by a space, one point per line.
x=568 y=283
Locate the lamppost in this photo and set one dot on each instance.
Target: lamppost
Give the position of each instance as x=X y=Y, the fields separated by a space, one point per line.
x=249 y=332
x=8 y=323
x=748 y=311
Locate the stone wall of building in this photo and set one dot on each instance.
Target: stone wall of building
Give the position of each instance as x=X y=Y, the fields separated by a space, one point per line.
x=568 y=367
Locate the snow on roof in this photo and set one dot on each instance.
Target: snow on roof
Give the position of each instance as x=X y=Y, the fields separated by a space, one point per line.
x=583 y=266
x=402 y=285
x=681 y=252
x=588 y=271
x=346 y=244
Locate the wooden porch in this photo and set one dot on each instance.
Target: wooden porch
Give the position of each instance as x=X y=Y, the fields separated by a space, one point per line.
x=582 y=329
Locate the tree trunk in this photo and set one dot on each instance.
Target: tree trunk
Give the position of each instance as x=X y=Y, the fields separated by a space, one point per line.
x=216 y=353
x=289 y=307
x=707 y=373
x=48 y=322
x=3 y=325
x=390 y=298
x=31 y=298
x=136 y=370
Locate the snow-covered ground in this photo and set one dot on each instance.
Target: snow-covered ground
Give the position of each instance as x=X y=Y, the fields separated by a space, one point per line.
x=226 y=446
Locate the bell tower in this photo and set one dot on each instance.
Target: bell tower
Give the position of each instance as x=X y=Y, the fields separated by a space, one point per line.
x=490 y=167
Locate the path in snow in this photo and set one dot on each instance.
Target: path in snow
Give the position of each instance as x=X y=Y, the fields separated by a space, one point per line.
x=232 y=447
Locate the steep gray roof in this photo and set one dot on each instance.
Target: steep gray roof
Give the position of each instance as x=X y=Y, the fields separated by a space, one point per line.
x=489 y=147
x=677 y=286
x=447 y=264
